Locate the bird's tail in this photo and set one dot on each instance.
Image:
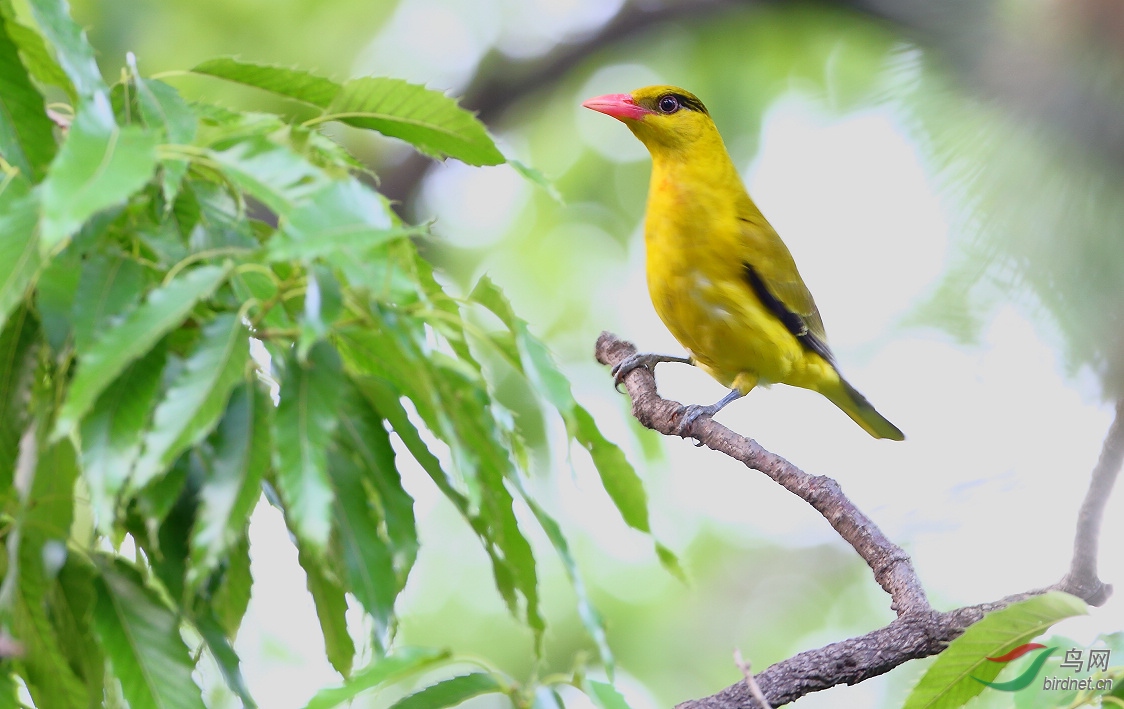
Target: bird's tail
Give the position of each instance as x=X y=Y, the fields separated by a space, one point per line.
x=855 y=405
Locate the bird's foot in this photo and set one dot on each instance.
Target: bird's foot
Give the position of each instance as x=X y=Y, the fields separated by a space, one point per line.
x=689 y=414
x=693 y=412
x=647 y=360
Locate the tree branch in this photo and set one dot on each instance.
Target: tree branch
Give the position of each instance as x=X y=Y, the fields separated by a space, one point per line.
x=1082 y=576
x=919 y=630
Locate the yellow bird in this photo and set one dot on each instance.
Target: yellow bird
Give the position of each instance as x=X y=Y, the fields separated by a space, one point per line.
x=720 y=277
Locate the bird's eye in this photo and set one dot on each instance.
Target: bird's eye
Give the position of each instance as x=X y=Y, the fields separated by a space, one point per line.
x=668 y=104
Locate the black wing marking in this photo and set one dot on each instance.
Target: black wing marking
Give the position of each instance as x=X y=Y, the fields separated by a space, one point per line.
x=792 y=321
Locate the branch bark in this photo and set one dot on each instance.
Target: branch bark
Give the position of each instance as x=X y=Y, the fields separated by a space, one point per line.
x=919 y=630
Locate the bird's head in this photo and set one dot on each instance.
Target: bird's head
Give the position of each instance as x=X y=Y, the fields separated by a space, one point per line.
x=664 y=118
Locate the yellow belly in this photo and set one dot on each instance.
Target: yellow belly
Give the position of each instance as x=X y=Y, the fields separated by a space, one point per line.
x=723 y=325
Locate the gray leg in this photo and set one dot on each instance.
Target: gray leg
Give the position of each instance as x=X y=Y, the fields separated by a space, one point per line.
x=692 y=413
x=647 y=360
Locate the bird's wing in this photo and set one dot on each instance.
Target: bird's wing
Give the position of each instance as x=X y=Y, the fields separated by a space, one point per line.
x=771 y=273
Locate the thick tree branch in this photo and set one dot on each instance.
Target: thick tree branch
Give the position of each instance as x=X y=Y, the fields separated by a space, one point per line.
x=919 y=630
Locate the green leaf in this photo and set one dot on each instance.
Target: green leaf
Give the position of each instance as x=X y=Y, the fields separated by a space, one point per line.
x=365 y=440
x=345 y=218
x=367 y=560
x=306 y=418
x=162 y=108
x=196 y=399
x=401 y=664
x=74 y=52
x=230 y=601
x=50 y=679
x=331 y=608
x=959 y=672
x=450 y=692
x=232 y=485
x=36 y=57
x=618 y=477
x=293 y=83
x=163 y=310
x=141 y=638
x=19 y=340
x=50 y=505
x=109 y=285
x=429 y=120
x=538 y=179
x=72 y=607
x=605 y=696
x=99 y=165
x=274 y=175
x=591 y=619
x=27 y=138
x=19 y=252
x=113 y=430
x=225 y=656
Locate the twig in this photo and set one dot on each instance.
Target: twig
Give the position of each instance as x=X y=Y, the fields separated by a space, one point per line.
x=750 y=683
x=919 y=630
x=1082 y=578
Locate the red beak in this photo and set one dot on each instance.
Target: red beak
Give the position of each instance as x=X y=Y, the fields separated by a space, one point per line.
x=619 y=106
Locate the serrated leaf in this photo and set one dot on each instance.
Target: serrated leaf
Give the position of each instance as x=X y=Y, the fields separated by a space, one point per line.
x=19 y=248
x=240 y=448
x=366 y=559
x=27 y=138
x=450 y=692
x=307 y=416
x=98 y=166
x=345 y=219
x=604 y=696
x=293 y=83
x=140 y=636
x=959 y=672
x=75 y=55
x=274 y=175
x=403 y=663
x=364 y=438
x=50 y=679
x=224 y=655
x=196 y=399
x=109 y=285
x=331 y=608
x=164 y=309
x=427 y=119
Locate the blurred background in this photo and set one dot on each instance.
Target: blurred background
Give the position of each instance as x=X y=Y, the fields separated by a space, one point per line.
x=948 y=176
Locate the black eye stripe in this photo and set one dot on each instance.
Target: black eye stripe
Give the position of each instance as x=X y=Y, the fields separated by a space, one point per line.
x=681 y=101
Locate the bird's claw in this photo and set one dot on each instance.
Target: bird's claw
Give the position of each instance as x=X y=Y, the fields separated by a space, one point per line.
x=622 y=368
x=646 y=360
x=691 y=413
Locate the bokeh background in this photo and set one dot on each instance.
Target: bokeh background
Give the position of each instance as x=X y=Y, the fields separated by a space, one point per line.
x=948 y=176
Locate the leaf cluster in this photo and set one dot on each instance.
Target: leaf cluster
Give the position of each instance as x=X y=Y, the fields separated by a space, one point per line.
x=202 y=308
